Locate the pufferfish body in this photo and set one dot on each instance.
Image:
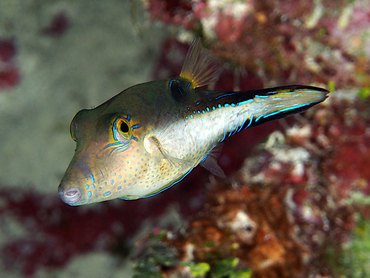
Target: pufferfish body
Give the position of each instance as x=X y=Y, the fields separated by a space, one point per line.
x=151 y=135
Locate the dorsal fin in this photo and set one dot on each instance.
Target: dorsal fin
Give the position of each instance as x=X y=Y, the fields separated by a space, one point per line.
x=210 y=162
x=199 y=66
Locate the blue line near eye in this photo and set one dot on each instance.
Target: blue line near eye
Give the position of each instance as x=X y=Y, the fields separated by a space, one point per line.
x=135 y=126
x=113 y=127
x=89 y=194
x=107 y=193
x=133 y=137
x=245 y=102
x=113 y=144
x=128 y=117
x=113 y=150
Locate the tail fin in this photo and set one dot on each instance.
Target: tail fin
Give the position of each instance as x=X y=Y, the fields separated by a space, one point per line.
x=279 y=102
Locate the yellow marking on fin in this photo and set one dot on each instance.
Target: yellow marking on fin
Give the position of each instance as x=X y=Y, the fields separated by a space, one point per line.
x=199 y=66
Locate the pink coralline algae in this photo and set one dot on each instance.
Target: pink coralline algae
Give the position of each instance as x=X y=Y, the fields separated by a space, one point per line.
x=284 y=42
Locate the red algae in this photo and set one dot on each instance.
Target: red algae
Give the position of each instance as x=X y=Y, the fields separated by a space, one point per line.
x=9 y=73
x=284 y=42
x=50 y=234
x=58 y=25
x=7 y=50
x=175 y=12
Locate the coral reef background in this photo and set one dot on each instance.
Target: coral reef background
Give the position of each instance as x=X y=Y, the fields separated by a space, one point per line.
x=296 y=205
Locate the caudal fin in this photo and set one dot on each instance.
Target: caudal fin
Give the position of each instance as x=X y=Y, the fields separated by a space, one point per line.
x=279 y=102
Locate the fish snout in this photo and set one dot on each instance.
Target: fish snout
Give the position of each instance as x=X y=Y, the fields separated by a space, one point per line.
x=69 y=196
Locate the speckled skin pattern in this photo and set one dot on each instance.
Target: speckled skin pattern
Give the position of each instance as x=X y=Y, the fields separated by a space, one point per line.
x=150 y=136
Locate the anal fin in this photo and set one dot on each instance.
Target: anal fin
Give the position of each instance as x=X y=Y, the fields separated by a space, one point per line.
x=210 y=162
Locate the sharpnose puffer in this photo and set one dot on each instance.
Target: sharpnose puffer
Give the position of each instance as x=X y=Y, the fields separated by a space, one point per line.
x=150 y=136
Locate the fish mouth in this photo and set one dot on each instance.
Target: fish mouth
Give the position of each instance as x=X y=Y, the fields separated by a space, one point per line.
x=69 y=196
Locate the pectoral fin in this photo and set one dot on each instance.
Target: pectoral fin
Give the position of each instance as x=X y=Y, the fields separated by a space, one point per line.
x=153 y=146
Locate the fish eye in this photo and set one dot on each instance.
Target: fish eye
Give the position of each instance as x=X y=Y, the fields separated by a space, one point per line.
x=121 y=129
x=124 y=127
